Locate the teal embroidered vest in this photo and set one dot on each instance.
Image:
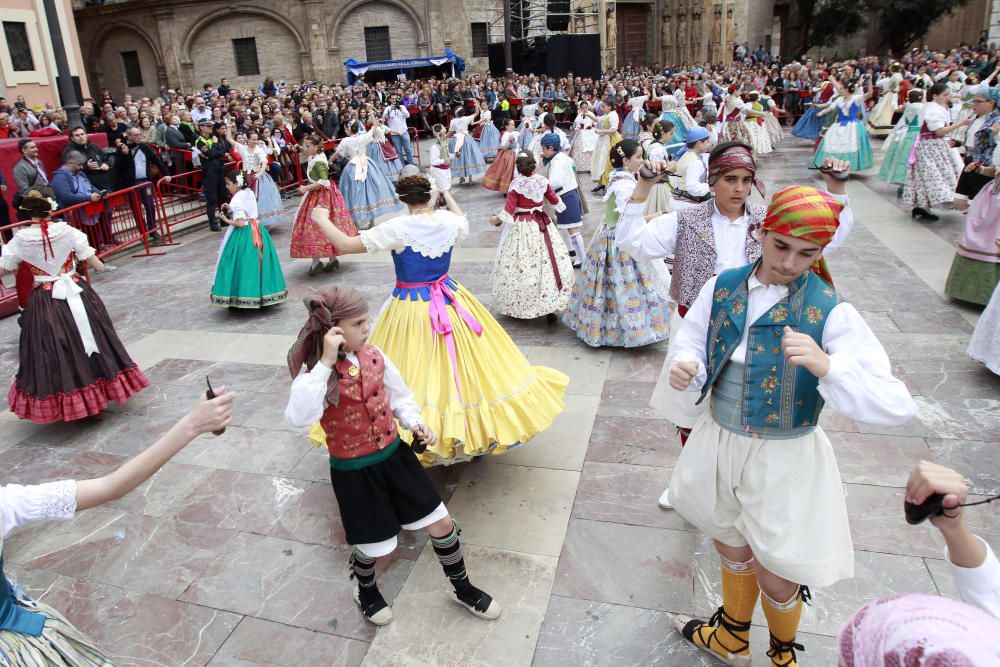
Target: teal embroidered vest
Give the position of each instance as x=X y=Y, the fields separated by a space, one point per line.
x=14 y=617
x=779 y=400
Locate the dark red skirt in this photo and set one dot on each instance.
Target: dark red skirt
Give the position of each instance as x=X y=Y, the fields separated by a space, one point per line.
x=56 y=380
x=501 y=172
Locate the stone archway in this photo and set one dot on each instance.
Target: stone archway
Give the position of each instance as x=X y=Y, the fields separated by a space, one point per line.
x=105 y=65
x=407 y=38
x=282 y=51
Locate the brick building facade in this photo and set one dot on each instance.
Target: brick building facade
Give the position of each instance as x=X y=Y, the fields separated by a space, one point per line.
x=135 y=47
x=132 y=47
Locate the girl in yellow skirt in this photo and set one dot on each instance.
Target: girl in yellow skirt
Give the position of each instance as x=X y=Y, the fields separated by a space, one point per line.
x=474 y=387
x=321 y=201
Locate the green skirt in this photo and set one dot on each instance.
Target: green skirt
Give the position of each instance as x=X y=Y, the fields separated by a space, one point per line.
x=245 y=276
x=971 y=280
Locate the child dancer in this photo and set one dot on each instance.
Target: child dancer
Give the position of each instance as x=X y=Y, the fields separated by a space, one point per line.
x=660 y=199
x=321 y=199
x=503 y=169
x=773 y=341
x=379 y=483
x=72 y=363
x=533 y=274
x=607 y=136
x=268 y=195
x=468 y=161
x=733 y=127
x=670 y=114
x=633 y=118
x=898 y=144
x=34 y=633
x=753 y=119
x=381 y=151
x=810 y=124
x=368 y=192
x=584 y=139
x=933 y=175
x=248 y=274
x=486 y=133
x=440 y=163
x=557 y=167
x=619 y=301
x=474 y=388
x=847 y=139
x=547 y=128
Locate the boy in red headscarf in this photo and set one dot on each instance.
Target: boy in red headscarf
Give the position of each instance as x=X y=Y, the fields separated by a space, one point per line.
x=352 y=389
x=704 y=240
x=773 y=342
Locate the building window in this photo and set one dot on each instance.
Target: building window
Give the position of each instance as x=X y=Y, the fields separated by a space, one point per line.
x=377 y=43
x=480 y=40
x=19 y=46
x=133 y=72
x=245 y=51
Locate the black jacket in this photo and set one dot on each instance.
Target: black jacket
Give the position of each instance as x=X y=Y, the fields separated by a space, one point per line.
x=98 y=177
x=125 y=165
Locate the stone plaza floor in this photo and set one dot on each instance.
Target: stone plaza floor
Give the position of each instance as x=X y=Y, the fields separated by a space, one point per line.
x=233 y=555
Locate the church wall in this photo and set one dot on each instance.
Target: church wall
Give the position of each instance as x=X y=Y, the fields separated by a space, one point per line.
x=212 y=55
x=110 y=64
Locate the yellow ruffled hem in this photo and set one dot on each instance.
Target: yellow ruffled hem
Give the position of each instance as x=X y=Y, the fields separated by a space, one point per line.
x=504 y=400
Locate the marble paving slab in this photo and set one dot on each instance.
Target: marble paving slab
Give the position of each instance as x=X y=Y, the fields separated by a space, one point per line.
x=429 y=629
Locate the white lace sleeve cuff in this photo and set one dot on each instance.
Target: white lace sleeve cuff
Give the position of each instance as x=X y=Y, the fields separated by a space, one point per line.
x=561 y=206
x=21 y=505
x=506 y=217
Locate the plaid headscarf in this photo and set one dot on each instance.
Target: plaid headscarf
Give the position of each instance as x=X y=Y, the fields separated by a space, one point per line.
x=330 y=305
x=737 y=156
x=807 y=213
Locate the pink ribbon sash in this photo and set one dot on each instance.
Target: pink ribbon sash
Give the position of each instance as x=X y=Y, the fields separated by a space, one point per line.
x=924 y=135
x=441 y=320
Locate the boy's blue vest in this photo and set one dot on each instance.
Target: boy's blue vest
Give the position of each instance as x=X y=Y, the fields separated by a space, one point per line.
x=766 y=396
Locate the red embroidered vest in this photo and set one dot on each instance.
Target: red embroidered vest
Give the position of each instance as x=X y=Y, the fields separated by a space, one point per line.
x=361 y=423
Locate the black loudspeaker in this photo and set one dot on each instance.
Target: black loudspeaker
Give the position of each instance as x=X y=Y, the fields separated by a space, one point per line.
x=557 y=19
x=578 y=53
x=516 y=19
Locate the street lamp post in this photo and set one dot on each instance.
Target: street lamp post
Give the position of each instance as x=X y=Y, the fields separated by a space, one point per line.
x=508 y=58
x=67 y=94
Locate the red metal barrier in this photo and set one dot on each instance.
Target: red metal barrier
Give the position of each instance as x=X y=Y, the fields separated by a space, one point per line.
x=8 y=295
x=121 y=219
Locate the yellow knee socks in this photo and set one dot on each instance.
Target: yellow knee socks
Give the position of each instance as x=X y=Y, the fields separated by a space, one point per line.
x=728 y=632
x=783 y=622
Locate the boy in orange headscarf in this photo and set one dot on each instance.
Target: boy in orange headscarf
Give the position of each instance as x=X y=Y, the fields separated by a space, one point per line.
x=773 y=341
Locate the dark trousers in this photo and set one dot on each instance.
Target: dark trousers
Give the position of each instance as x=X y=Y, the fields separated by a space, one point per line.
x=145 y=199
x=213 y=183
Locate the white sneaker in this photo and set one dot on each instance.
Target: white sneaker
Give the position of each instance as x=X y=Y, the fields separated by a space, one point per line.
x=665 y=499
x=110 y=267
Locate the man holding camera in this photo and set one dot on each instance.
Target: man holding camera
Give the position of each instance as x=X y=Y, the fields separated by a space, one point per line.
x=132 y=167
x=395 y=116
x=97 y=168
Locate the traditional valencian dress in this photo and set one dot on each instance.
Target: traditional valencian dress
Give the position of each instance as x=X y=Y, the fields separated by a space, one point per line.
x=584 y=142
x=368 y=192
x=533 y=273
x=898 y=144
x=468 y=161
x=488 y=136
x=383 y=154
x=617 y=300
x=268 y=197
x=975 y=271
x=811 y=123
x=31 y=632
x=847 y=139
x=248 y=274
x=671 y=114
x=307 y=238
x=631 y=123
x=474 y=387
x=600 y=167
x=504 y=167
x=933 y=174
x=72 y=363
